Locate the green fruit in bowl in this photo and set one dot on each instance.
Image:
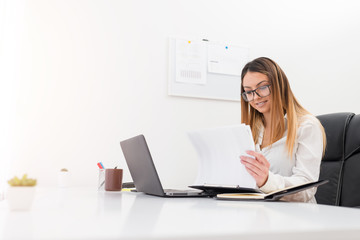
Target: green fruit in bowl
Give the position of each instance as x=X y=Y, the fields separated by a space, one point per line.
x=24 y=181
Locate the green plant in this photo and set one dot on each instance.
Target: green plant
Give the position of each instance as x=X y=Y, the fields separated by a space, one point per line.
x=24 y=181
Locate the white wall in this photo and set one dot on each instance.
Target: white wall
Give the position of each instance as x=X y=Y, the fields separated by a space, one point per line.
x=79 y=76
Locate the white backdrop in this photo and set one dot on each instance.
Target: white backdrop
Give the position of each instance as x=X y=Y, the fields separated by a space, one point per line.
x=79 y=76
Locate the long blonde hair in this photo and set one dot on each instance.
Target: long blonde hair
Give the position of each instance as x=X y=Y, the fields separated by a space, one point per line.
x=283 y=102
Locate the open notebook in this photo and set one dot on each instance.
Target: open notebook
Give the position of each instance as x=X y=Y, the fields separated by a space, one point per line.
x=273 y=196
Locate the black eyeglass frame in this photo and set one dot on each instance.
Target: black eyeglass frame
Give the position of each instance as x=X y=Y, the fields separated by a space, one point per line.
x=254 y=91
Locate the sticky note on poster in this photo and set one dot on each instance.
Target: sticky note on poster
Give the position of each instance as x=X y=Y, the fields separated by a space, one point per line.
x=190 y=61
x=226 y=59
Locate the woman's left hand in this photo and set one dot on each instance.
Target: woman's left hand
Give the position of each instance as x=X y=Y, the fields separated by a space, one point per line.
x=258 y=167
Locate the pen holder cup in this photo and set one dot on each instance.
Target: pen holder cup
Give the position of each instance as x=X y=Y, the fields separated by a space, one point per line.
x=101 y=182
x=113 y=179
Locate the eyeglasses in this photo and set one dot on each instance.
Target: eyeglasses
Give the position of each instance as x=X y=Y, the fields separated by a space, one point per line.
x=262 y=91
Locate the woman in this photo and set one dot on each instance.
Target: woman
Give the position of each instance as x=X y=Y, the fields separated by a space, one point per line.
x=289 y=141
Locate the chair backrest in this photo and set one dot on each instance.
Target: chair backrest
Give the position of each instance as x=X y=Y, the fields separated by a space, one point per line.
x=341 y=162
x=350 y=194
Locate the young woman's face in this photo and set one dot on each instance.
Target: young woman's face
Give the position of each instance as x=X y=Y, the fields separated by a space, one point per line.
x=260 y=82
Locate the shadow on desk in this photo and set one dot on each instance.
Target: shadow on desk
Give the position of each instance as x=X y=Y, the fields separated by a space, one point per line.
x=144 y=214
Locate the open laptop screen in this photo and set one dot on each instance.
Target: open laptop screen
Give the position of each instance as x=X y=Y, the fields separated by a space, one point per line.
x=141 y=166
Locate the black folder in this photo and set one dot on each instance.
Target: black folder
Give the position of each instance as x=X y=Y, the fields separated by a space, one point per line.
x=240 y=193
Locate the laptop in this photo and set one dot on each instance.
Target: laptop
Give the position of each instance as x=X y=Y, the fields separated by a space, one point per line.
x=143 y=171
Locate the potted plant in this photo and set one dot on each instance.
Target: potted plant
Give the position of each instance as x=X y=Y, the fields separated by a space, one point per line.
x=21 y=193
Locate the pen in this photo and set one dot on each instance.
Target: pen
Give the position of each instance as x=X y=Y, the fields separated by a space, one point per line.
x=100 y=166
x=102 y=184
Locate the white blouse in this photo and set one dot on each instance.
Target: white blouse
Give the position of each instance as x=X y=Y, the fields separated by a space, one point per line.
x=302 y=167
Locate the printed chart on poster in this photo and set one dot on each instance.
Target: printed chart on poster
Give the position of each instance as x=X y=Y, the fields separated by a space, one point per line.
x=205 y=68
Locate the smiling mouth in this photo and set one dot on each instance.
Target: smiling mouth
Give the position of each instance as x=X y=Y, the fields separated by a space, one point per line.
x=260 y=104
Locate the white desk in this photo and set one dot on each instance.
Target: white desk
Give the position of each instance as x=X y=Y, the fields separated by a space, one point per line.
x=88 y=214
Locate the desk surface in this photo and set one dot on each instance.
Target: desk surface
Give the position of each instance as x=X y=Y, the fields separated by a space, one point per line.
x=87 y=214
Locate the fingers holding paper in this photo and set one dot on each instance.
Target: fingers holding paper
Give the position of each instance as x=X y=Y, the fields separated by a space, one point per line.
x=258 y=167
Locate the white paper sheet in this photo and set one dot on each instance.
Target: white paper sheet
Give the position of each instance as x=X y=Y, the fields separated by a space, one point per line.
x=226 y=59
x=190 y=61
x=219 y=151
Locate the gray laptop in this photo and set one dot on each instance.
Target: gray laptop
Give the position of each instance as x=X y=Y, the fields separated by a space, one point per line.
x=143 y=171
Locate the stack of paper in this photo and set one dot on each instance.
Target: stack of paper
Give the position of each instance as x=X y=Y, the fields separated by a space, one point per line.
x=219 y=150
